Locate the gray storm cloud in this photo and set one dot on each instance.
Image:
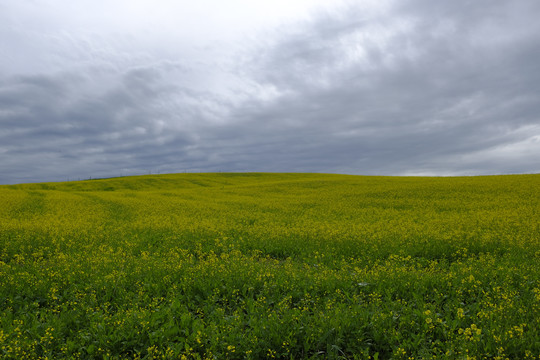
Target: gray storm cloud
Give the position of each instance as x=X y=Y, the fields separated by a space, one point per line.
x=411 y=88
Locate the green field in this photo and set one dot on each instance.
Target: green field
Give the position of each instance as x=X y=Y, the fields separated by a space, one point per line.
x=285 y=266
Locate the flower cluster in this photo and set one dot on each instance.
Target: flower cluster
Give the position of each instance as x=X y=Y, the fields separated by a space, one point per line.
x=285 y=266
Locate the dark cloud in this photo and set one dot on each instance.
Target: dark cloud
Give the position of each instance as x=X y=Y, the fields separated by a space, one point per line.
x=420 y=88
x=69 y=126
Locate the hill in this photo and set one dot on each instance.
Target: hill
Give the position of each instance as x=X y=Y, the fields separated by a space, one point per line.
x=271 y=266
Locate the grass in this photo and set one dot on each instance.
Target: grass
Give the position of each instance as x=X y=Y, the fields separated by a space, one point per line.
x=288 y=266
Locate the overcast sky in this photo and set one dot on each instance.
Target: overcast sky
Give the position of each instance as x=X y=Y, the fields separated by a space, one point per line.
x=99 y=88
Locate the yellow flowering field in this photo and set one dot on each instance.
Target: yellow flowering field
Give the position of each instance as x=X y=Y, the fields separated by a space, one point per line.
x=264 y=266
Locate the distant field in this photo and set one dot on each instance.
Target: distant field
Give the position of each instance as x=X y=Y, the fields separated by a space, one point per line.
x=285 y=266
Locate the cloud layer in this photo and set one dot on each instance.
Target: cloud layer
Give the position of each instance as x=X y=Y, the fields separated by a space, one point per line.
x=400 y=88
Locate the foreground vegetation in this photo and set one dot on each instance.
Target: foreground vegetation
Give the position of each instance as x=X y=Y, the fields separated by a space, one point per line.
x=254 y=266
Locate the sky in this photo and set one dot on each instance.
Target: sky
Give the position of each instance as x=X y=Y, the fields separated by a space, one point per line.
x=104 y=88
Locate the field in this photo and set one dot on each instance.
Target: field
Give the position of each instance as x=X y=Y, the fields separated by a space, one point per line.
x=285 y=266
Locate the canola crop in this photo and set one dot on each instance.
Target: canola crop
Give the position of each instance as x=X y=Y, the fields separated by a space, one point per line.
x=271 y=266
